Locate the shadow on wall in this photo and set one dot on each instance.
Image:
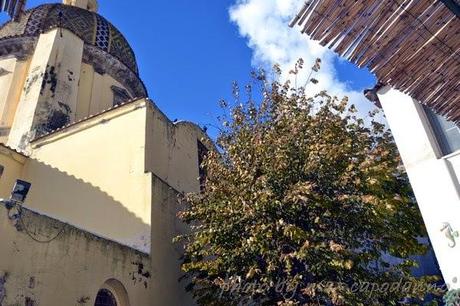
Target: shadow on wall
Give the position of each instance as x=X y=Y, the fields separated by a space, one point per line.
x=74 y=201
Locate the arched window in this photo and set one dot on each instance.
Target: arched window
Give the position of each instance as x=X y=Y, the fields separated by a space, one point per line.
x=105 y=298
x=112 y=293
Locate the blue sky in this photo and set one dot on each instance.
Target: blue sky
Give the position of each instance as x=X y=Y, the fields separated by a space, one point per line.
x=189 y=52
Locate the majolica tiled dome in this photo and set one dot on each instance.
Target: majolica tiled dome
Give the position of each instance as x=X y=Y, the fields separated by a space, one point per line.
x=92 y=28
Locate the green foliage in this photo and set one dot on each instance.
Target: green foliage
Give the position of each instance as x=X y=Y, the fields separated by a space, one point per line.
x=300 y=203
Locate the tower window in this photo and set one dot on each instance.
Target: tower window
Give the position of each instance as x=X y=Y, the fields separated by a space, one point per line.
x=1 y=170
x=105 y=298
x=202 y=151
x=120 y=95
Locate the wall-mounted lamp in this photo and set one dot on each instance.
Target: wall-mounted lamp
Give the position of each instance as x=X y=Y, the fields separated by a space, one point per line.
x=18 y=194
x=20 y=191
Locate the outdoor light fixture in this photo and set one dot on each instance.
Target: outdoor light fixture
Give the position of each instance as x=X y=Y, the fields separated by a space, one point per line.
x=18 y=194
x=20 y=191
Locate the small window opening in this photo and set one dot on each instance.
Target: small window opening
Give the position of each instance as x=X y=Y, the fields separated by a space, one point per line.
x=202 y=152
x=120 y=95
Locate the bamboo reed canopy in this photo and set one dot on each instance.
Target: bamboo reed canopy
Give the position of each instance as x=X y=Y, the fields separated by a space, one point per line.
x=412 y=45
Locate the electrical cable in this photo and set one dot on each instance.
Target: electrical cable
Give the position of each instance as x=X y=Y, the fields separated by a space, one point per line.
x=23 y=225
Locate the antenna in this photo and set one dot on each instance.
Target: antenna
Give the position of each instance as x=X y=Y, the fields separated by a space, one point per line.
x=14 y=8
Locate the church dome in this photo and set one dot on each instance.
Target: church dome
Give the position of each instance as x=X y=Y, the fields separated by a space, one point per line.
x=92 y=28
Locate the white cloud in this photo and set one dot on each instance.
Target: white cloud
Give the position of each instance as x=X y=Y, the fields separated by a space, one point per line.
x=264 y=23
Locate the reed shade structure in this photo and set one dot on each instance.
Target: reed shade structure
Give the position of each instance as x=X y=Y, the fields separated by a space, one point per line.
x=414 y=46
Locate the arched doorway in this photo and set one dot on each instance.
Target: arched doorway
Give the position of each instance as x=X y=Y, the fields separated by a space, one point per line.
x=112 y=293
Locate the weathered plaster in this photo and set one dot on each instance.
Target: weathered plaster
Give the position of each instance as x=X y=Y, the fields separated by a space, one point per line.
x=48 y=86
x=52 y=70
x=113 y=177
x=49 y=78
x=31 y=273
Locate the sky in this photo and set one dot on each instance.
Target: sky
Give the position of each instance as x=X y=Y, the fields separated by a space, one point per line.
x=190 y=52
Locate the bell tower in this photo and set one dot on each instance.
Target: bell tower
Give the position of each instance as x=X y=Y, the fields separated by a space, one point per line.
x=49 y=96
x=60 y=63
x=48 y=99
x=90 y=5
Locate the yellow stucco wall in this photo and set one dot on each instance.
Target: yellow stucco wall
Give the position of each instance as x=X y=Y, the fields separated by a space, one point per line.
x=106 y=165
x=11 y=86
x=56 y=59
x=166 y=256
x=115 y=174
x=85 y=91
x=172 y=158
x=70 y=269
x=95 y=92
x=171 y=150
x=28 y=97
x=13 y=164
x=93 y=176
x=118 y=175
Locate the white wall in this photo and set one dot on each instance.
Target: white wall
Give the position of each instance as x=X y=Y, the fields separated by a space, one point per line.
x=434 y=178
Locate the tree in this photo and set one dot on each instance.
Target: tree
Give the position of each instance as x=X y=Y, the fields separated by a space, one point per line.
x=303 y=204
x=452 y=298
